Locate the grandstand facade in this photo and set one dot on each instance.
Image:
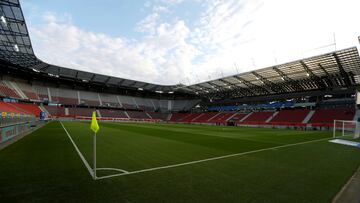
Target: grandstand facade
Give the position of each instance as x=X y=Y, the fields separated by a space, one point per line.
x=304 y=93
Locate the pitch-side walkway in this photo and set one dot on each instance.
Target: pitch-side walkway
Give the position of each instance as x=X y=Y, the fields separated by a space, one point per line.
x=350 y=192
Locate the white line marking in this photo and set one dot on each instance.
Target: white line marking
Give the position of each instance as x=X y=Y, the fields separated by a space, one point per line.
x=112 y=169
x=212 y=159
x=78 y=151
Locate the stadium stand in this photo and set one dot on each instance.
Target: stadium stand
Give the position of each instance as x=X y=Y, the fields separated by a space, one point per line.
x=205 y=117
x=258 y=117
x=42 y=92
x=221 y=118
x=327 y=116
x=290 y=116
x=112 y=113
x=27 y=108
x=176 y=117
x=190 y=117
x=109 y=100
x=138 y=114
x=6 y=91
x=7 y=107
x=28 y=90
x=89 y=98
x=238 y=117
x=64 y=96
x=86 y=112
x=56 y=111
x=128 y=102
x=157 y=115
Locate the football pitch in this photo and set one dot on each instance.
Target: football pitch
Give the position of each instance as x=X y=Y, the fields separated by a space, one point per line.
x=174 y=163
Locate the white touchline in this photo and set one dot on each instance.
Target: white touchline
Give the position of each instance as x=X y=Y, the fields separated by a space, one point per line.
x=112 y=169
x=211 y=159
x=78 y=151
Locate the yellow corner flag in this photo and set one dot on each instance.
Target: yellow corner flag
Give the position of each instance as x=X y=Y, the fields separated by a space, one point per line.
x=94 y=124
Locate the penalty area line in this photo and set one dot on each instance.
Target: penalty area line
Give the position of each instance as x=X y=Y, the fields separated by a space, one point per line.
x=211 y=159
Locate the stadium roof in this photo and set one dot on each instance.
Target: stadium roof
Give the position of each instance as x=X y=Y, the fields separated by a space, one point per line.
x=339 y=69
x=335 y=70
x=15 y=46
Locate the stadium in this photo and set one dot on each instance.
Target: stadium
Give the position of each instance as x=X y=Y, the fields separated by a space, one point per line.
x=283 y=133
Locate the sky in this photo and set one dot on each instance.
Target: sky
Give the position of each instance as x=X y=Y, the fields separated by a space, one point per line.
x=170 y=42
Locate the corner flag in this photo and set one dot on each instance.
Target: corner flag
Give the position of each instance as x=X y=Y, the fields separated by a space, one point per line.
x=94 y=124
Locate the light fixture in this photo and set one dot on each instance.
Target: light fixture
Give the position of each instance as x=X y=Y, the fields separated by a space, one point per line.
x=141 y=89
x=3 y=20
x=307 y=74
x=16 y=48
x=171 y=92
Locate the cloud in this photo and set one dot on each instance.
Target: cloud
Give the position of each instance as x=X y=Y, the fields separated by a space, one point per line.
x=249 y=33
x=153 y=59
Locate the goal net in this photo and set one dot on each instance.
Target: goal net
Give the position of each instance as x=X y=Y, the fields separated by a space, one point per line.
x=346 y=128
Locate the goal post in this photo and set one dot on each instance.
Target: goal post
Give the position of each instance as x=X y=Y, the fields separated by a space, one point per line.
x=346 y=128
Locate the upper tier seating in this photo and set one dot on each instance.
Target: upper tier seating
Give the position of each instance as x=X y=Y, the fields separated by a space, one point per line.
x=290 y=116
x=89 y=98
x=7 y=91
x=42 y=92
x=64 y=96
x=258 y=117
x=329 y=115
x=28 y=90
x=109 y=100
x=144 y=104
x=127 y=102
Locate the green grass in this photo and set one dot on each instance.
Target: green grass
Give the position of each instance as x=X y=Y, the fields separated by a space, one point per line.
x=44 y=166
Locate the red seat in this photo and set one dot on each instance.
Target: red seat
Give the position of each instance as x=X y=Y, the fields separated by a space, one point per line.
x=329 y=115
x=290 y=116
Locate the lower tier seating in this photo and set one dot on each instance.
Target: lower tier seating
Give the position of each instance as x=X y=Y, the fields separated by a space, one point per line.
x=258 y=117
x=112 y=113
x=329 y=115
x=290 y=116
x=221 y=118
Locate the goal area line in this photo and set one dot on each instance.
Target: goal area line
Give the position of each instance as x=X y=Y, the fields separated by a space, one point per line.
x=123 y=172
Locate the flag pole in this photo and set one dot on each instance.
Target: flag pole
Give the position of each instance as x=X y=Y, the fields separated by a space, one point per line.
x=94 y=127
x=94 y=157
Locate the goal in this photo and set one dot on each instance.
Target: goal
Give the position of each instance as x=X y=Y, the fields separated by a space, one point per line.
x=346 y=128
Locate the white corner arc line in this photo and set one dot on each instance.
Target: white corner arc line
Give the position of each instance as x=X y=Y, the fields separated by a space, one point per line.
x=211 y=159
x=112 y=169
x=78 y=151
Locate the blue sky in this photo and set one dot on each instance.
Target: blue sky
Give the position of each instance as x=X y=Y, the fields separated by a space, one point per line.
x=113 y=17
x=186 y=41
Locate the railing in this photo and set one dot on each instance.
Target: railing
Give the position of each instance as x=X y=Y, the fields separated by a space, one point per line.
x=11 y=131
